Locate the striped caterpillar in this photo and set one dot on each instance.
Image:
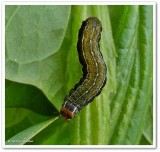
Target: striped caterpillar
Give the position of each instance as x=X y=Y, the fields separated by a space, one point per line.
x=94 y=69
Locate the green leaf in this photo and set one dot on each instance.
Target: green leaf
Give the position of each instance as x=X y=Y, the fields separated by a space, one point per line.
x=146 y=75
x=19 y=95
x=58 y=133
x=148 y=126
x=19 y=119
x=126 y=51
x=25 y=136
x=34 y=27
x=34 y=35
x=144 y=141
x=14 y=114
x=129 y=109
x=128 y=105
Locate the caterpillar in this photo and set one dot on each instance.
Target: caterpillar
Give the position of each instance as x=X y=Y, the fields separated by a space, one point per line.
x=93 y=67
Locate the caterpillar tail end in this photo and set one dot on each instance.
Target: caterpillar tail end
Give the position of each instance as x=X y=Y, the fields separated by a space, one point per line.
x=66 y=113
